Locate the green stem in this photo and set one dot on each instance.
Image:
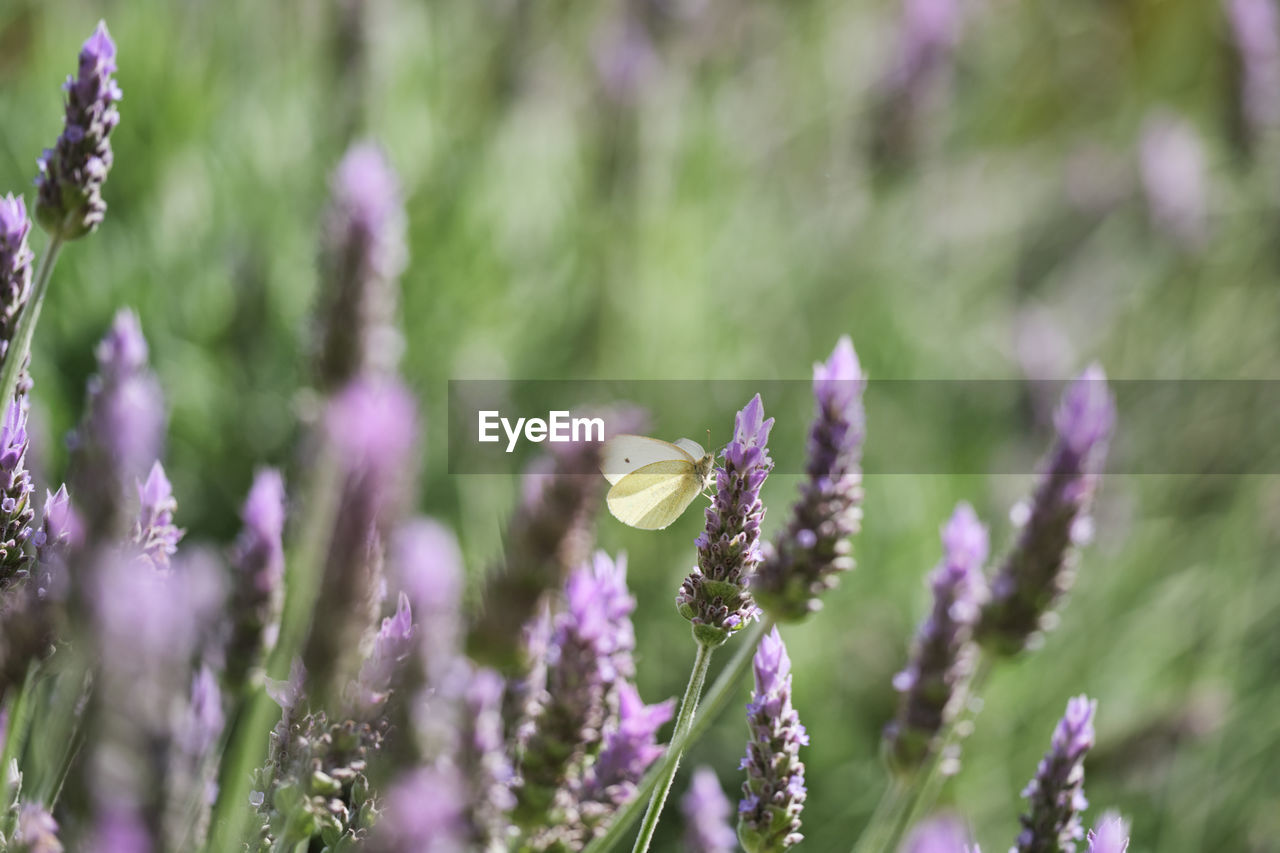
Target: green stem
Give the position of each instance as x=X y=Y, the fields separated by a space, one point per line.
x=15 y=739
x=884 y=820
x=925 y=794
x=684 y=722
x=246 y=745
x=717 y=696
x=20 y=346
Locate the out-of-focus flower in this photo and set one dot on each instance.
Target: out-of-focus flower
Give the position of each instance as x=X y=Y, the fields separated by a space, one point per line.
x=118 y=829
x=15 y=266
x=774 y=793
x=630 y=747
x=589 y=657
x=1040 y=568
x=814 y=548
x=372 y=429
x=1171 y=160
x=425 y=813
x=483 y=759
x=364 y=253
x=624 y=58
x=706 y=815
x=258 y=572
x=154 y=533
x=1056 y=794
x=391 y=647
x=122 y=430
x=932 y=687
x=1255 y=27
x=16 y=512
x=714 y=596
x=1111 y=835
x=37 y=831
x=425 y=562
x=73 y=171
x=549 y=535
x=945 y=834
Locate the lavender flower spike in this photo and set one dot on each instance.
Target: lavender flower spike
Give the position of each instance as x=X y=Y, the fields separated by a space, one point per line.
x=714 y=596
x=37 y=831
x=629 y=749
x=1111 y=835
x=15 y=267
x=391 y=647
x=122 y=430
x=372 y=428
x=932 y=687
x=774 y=793
x=1255 y=26
x=363 y=255
x=809 y=555
x=154 y=533
x=70 y=201
x=945 y=834
x=425 y=813
x=16 y=512
x=482 y=755
x=258 y=571
x=550 y=535
x=706 y=815
x=589 y=657
x=1056 y=794
x=1040 y=568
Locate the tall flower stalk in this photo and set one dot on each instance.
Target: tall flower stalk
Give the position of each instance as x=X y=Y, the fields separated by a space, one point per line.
x=69 y=188
x=1055 y=797
x=714 y=597
x=815 y=547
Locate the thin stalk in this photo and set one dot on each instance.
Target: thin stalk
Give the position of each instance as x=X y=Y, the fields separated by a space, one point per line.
x=246 y=745
x=20 y=346
x=15 y=740
x=684 y=722
x=925 y=794
x=885 y=819
x=722 y=689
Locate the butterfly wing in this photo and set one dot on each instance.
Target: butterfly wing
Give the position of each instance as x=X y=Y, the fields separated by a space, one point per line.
x=688 y=445
x=655 y=495
x=624 y=454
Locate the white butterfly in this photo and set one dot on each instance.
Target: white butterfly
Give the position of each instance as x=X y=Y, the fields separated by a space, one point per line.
x=654 y=481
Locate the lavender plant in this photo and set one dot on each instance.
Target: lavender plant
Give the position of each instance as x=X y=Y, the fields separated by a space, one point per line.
x=392 y=735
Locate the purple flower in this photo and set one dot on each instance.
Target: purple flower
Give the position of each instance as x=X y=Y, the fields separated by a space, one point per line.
x=629 y=748
x=624 y=59
x=15 y=266
x=814 y=548
x=16 y=512
x=60 y=528
x=548 y=536
x=944 y=834
x=589 y=657
x=1256 y=29
x=118 y=829
x=122 y=430
x=932 y=687
x=372 y=429
x=1056 y=794
x=1171 y=159
x=391 y=647
x=706 y=815
x=773 y=794
x=364 y=254
x=482 y=756
x=1111 y=835
x=70 y=201
x=916 y=80
x=1040 y=568
x=425 y=813
x=426 y=564
x=714 y=596
x=37 y=831
x=154 y=533
x=258 y=572
x=202 y=725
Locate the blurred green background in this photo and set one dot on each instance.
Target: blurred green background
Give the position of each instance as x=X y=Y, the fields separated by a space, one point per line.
x=713 y=189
